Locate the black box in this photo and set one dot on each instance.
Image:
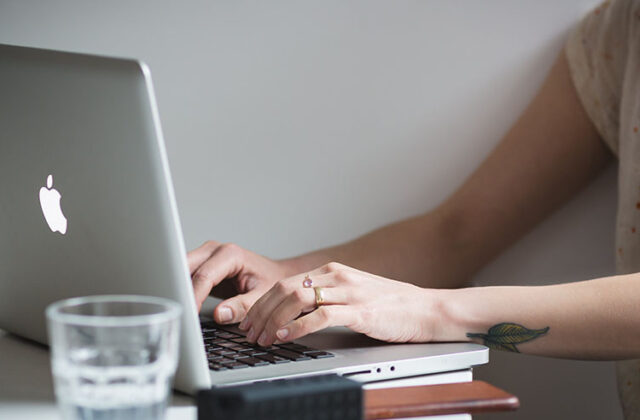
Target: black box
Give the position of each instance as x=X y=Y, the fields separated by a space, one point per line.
x=323 y=397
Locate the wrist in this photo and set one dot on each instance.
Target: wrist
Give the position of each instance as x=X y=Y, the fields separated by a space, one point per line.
x=454 y=317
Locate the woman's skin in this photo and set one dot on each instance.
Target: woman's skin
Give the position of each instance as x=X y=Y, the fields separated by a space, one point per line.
x=551 y=152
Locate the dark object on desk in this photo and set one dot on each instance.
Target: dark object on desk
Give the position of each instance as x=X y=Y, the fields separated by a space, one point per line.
x=325 y=397
x=431 y=400
x=334 y=397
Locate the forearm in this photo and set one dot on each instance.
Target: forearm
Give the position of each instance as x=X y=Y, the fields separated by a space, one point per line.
x=595 y=319
x=423 y=250
x=551 y=152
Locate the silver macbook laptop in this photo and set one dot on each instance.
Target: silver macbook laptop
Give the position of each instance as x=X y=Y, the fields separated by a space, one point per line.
x=88 y=208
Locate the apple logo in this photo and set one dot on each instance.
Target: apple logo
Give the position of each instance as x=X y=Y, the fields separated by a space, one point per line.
x=50 y=203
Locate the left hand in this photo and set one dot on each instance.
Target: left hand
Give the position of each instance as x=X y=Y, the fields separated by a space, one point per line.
x=381 y=308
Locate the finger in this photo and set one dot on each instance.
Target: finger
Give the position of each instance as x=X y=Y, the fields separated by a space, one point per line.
x=259 y=313
x=223 y=263
x=319 y=280
x=254 y=321
x=196 y=257
x=300 y=301
x=321 y=318
x=235 y=309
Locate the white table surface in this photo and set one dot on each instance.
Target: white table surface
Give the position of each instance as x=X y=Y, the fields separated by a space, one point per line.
x=26 y=385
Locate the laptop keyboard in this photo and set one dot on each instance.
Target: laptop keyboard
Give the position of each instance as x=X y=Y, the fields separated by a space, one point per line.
x=230 y=350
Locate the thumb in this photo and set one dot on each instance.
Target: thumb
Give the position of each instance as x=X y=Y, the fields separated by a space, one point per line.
x=234 y=310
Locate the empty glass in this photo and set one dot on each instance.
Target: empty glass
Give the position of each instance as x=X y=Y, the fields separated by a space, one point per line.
x=113 y=357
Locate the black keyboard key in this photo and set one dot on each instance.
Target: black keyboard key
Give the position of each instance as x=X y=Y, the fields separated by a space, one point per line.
x=266 y=349
x=235 y=365
x=212 y=347
x=214 y=341
x=296 y=357
x=209 y=330
x=272 y=358
x=229 y=350
x=317 y=354
x=252 y=361
x=238 y=347
x=216 y=367
x=295 y=347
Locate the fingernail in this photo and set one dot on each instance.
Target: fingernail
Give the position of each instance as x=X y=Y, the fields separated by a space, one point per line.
x=282 y=334
x=243 y=324
x=251 y=335
x=263 y=339
x=225 y=314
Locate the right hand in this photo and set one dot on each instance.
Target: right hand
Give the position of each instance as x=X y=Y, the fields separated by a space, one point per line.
x=252 y=274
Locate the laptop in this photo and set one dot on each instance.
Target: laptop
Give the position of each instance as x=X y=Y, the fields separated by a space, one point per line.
x=88 y=208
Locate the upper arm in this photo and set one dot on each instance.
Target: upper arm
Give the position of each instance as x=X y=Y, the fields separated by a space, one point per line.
x=551 y=152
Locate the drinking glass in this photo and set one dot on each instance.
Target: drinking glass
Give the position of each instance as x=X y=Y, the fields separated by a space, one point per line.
x=113 y=357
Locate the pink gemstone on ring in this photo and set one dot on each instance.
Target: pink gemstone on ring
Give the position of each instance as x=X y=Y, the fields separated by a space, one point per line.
x=307 y=282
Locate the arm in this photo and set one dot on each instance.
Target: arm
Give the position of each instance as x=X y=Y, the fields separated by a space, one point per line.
x=595 y=319
x=551 y=152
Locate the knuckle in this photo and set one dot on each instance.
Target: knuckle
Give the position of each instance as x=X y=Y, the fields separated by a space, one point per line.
x=281 y=287
x=334 y=266
x=323 y=314
x=299 y=295
x=231 y=249
x=342 y=275
x=346 y=276
x=209 y=244
x=201 y=276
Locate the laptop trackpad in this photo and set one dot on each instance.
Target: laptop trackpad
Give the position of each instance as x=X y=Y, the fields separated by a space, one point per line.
x=335 y=338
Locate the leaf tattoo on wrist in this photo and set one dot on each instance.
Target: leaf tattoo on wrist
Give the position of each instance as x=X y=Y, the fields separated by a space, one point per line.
x=506 y=335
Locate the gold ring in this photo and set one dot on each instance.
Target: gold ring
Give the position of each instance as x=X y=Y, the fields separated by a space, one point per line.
x=319 y=296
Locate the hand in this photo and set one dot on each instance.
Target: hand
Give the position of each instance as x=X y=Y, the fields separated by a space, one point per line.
x=384 y=309
x=253 y=275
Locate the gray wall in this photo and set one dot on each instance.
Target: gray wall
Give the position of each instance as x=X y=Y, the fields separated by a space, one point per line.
x=295 y=125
